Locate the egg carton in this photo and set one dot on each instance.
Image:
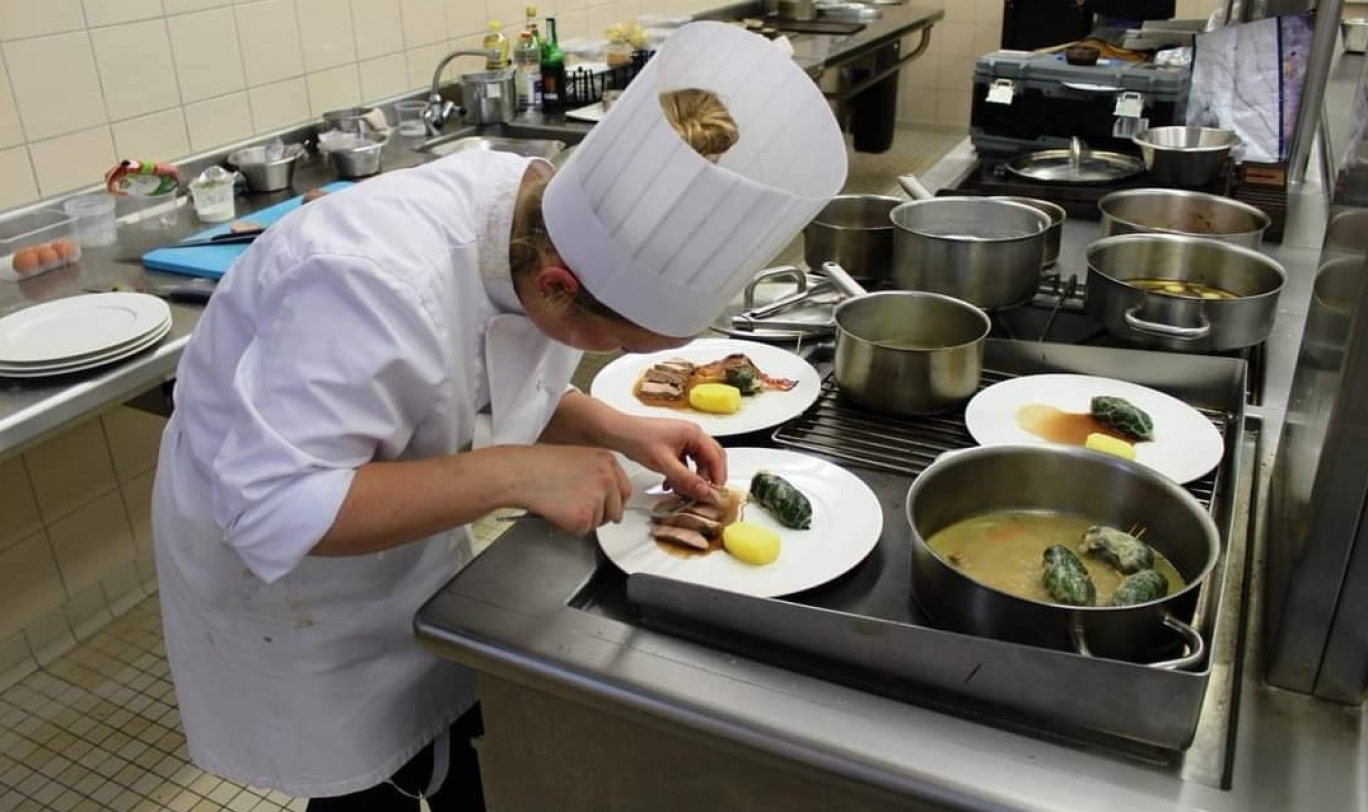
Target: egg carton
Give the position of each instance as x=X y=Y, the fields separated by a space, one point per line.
x=36 y=242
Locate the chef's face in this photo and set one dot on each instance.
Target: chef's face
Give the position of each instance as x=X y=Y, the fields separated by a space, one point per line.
x=550 y=305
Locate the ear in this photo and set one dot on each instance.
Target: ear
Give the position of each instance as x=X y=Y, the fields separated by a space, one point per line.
x=556 y=284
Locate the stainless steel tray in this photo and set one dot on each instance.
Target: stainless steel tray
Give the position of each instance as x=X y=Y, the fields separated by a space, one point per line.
x=864 y=630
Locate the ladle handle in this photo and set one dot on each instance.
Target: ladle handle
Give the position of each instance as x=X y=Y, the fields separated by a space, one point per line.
x=914 y=187
x=842 y=280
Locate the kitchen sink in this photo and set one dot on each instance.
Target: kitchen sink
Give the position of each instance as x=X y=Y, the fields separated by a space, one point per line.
x=459 y=142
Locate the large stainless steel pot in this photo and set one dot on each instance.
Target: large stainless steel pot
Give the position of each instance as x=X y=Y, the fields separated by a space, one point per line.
x=1054 y=234
x=983 y=250
x=1068 y=479
x=1175 y=211
x=1182 y=323
x=855 y=231
x=907 y=352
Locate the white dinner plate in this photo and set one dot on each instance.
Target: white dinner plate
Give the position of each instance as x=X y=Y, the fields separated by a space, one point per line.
x=846 y=524
x=89 y=362
x=615 y=382
x=108 y=352
x=1186 y=444
x=65 y=329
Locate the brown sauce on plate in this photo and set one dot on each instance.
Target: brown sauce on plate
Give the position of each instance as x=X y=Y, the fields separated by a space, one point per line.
x=1059 y=426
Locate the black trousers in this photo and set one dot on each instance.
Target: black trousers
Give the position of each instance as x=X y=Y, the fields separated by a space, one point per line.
x=460 y=792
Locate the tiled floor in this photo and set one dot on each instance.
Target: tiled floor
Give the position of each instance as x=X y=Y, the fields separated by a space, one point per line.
x=98 y=729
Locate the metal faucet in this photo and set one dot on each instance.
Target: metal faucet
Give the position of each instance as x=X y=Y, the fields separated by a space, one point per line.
x=439 y=109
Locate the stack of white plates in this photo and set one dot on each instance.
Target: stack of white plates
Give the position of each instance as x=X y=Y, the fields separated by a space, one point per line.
x=80 y=333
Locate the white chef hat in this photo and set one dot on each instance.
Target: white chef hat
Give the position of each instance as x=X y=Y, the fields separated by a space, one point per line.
x=664 y=236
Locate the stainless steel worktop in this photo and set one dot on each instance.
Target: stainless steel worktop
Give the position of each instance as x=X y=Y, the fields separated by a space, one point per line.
x=514 y=615
x=33 y=410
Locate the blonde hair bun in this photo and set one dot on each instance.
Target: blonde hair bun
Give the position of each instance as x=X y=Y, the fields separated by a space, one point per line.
x=702 y=120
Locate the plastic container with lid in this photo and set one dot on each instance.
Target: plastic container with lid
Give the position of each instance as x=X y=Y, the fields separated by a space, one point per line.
x=95 y=221
x=212 y=193
x=36 y=242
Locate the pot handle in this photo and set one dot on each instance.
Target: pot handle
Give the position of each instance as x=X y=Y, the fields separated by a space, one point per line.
x=1138 y=324
x=781 y=272
x=842 y=279
x=914 y=187
x=1196 y=646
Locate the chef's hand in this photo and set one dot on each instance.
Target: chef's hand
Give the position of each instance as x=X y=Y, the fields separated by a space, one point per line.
x=668 y=446
x=575 y=488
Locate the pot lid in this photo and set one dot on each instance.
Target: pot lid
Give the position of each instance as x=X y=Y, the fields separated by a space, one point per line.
x=1077 y=165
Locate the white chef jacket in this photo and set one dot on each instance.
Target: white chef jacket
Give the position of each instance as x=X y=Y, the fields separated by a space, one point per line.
x=376 y=323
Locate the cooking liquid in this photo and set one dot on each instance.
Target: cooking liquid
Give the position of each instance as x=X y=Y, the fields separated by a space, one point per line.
x=735 y=500
x=1181 y=287
x=1004 y=549
x=1058 y=426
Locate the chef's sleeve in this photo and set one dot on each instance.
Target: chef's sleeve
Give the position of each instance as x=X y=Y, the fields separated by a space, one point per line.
x=346 y=362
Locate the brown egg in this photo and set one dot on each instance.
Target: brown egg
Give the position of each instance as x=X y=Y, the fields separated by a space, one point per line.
x=67 y=249
x=49 y=257
x=26 y=261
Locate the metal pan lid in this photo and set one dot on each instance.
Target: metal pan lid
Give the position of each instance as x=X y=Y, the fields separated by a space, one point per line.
x=1065 y=166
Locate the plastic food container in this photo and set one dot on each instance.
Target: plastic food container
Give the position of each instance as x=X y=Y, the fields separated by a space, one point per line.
x=212 y=193
x=94 y=216
x=37 y=242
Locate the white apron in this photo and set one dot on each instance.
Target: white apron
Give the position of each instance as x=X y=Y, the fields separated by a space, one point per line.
x=302 y=673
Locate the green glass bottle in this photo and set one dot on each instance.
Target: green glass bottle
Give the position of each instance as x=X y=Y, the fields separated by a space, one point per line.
x=552 y=69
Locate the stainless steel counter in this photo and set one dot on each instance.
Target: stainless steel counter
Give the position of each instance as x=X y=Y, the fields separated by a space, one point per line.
x=33 y=410
x=513 y=616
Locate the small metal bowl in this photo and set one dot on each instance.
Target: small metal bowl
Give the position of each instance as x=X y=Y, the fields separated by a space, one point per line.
x=356 y=159
x=1188 y=157
x=263 y=175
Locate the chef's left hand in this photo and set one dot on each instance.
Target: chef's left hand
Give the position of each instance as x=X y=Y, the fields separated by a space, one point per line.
x=668 y=446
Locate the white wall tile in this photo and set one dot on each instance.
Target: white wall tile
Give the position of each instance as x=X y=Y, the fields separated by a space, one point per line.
x=92 y=542
x=34 y=18
x=17 y=503
x=956 y=10
x=465 y=17
x=508 y=12
x=988 y=11
x=74 y=467
x=957 y=73
x=918 y=104
x=957 y=38
x=137 y=496
x=423 y=61
x=208 y=62
x=600 y=17
x=325 y=27
x=334 y=89
x=279 y=105
x=87 y=612
x=10 y=131
x=384 y=77
x=134 y=439
x=575 y=25
x=30 y=585
x=218 y=121
x=16 y=661
x=17 y=185
x=71 y=161
x=112 y=12
x=270 y=41
x=55 y=84
x=136 y=69
x=123 y=588
x=424 y=22
x=182 y=6
x=160 y=136
x=49 y=637
x=379 y=27
x=922 y=72
x=952 y=107
x=987 y=38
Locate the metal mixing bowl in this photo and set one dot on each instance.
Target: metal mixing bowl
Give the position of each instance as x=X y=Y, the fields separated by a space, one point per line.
x=356 y=159
x=264 y=175
x=1191 y=157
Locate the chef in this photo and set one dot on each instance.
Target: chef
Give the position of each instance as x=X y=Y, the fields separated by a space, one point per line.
x=391 y=362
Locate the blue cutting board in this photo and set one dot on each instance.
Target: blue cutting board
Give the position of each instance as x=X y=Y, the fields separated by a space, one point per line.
x=212 y=261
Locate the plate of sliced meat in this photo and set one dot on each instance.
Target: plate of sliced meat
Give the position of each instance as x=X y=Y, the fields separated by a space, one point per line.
x=726 y=386
x=784 y=523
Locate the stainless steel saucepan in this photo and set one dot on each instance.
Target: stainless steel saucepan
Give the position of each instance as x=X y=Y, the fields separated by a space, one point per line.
x=906 y=352
x=1065 y=479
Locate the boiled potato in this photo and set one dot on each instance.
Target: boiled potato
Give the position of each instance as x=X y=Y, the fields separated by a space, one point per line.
x=1110 y=445
x=717 y=398
x=751 y=543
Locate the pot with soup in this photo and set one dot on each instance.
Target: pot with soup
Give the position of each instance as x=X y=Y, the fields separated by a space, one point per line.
x=1064 y=548
x=1186 y=294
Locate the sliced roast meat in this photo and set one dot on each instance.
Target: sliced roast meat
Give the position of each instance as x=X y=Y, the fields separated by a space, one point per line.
x=662 y=390
x=709 y=528
x=682 y=536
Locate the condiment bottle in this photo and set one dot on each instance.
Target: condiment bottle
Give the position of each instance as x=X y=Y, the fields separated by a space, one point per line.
x=495 y=47
x=527 y=62
x=618 y=54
